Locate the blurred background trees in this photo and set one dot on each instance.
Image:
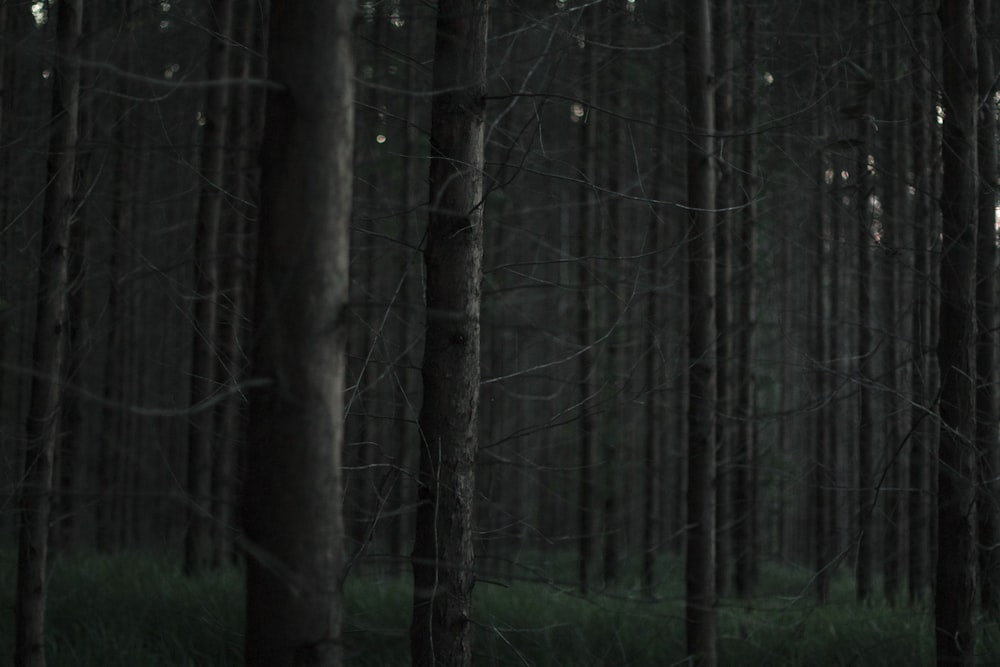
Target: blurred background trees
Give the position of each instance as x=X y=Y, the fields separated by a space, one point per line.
x=826 y=229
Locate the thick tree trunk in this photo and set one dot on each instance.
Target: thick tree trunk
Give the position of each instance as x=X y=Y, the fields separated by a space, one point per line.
x=987 y=507
x=700 y=613
x=955 y=580
x=293 y=492
x=443 y=558
x=42 y=426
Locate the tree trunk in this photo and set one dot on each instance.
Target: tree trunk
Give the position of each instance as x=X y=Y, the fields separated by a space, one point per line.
x=654 y=455
x=42 y=425
x=236 y=245
x=700 y=614
x=821 y=479
x=198 y=538
x=918 y=509
x=955 y=578
x=745 y=451
x=443 y=558
x=894 y=297
x=725 y=371
x=71 y=451
x=864 y=569
x=110 y=445
x=292 y=501
x=987 y=508
x=588 y=512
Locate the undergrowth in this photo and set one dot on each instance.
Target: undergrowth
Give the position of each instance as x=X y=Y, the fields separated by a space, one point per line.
x=138 y=609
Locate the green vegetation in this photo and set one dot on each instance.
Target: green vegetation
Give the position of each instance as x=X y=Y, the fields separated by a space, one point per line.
x=137 y=609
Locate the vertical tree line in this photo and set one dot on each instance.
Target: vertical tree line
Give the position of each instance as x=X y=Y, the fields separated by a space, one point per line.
x=955 y=573
x=443 y=552
x=41 y=431
x=580 y=295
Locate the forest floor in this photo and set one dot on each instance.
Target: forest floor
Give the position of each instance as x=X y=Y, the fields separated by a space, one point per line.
x=138 y=609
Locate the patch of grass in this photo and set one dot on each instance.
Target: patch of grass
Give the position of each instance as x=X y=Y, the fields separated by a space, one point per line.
x=134 y=609
x=138 y=609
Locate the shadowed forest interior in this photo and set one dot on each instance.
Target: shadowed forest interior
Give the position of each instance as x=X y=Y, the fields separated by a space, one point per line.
x=718 y=280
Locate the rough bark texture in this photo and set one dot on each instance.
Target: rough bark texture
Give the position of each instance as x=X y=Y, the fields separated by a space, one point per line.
x=443 y=558
x=700 y=614
x=955 y=580
x=294 y=527
x=42 y=425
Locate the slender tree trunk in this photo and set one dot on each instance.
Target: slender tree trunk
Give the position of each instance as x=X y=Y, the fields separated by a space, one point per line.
x=42 y=425
x=745 y=451
x=443 y=558
x=198 y=538
x=70 y=449
x=615 y=433
x=588 y=510
x=292 y=500
x=110 y=447
x=864 y=569
x=821 y=482
x=725 y=372
x=236 y=247
x=918 y=508
x=7 y=77
x=893 y=238
x=700 y=614
x=955 y=579
x=988 y=490
x=654 y=450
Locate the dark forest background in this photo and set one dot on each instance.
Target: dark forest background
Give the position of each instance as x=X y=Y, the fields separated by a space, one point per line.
x=828 y=243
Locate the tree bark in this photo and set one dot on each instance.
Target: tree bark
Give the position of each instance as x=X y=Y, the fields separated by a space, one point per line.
x=198 y=538
x=955 y=577
x=725 y=199
x=110 y=445
x=700 y=613
x=654 y=445
x=42 y=425
x=236 y=245
x=864 y=570
x=443 y=557
x=745 y=452
x=923 y=122
x=292 y=501
x=987 y=508
x=589 y=222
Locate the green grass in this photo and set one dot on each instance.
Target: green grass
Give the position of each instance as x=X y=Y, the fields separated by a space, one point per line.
x=137 y=609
